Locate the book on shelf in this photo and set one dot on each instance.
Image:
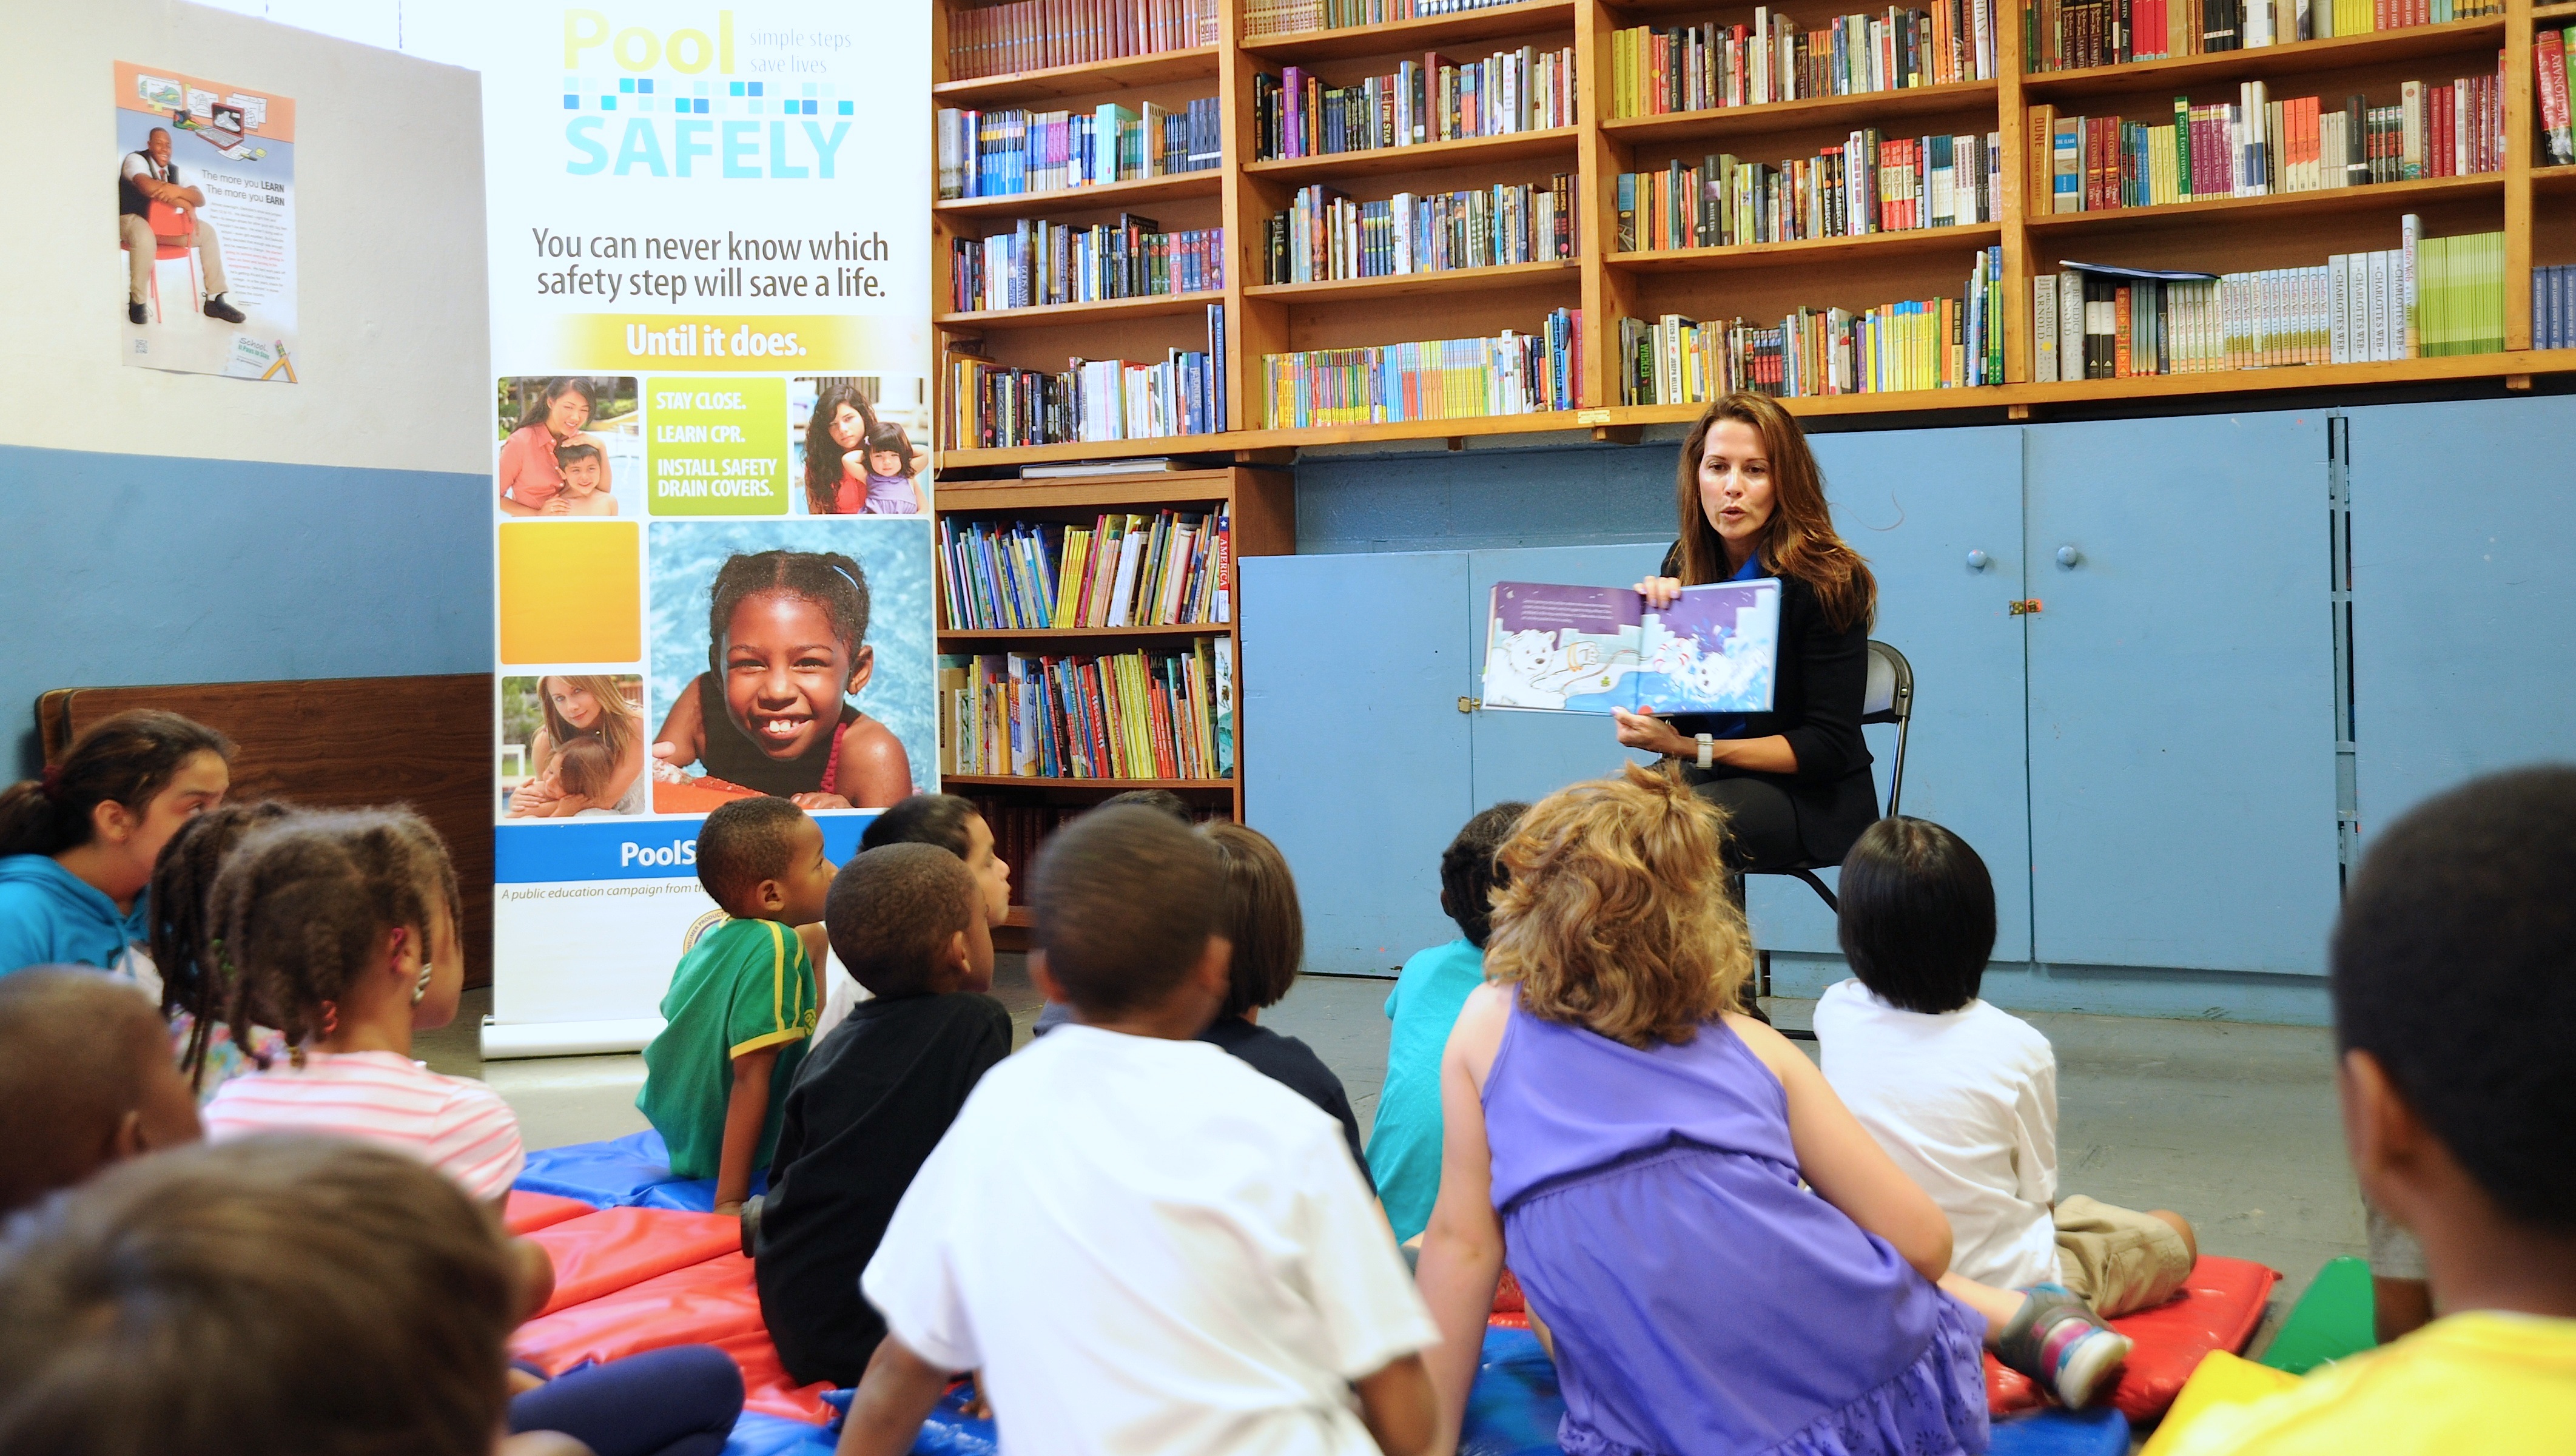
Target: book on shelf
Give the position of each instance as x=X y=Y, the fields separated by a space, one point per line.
x=1009 y=152
x=1021 y=827
x=1437 y=379
x=1032 y=35
x=1124 y=715
x=1869 y=183
x=1038 y=263
x=1935 y=343
x=1326 y=235
x=1085 y=469
x=2070 y=35
x=1589 y=649
x=988 y=405
x=1291 y=17
x=2553 y=61
x=2553 y=306
x=1294 y=114
x=2426 y=298
x=1659 y=71
x=1168 y=569
x=2258 y=146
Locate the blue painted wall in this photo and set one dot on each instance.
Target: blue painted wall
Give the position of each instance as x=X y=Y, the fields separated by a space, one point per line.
x=129 y=569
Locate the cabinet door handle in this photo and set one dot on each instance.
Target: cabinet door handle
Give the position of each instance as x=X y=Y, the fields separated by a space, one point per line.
x=2068 y=556
x=1469 y=705
x=1978 y=560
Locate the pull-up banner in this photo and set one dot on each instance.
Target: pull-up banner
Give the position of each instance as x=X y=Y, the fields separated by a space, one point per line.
x=709 y=232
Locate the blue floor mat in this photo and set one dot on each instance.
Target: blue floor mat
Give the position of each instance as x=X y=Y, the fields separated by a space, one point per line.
x=2101 y=1431
x=629 y=1172
x=1514 y=1407
x=763 y=1435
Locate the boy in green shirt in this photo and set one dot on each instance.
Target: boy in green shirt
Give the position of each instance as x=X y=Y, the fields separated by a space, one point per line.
x=742 y=1002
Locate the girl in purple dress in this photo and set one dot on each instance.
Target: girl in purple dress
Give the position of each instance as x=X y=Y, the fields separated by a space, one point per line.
x=1725 y=1260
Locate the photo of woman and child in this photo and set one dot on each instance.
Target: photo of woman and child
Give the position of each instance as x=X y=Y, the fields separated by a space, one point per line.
x=854 y=449
x=566 y=443
x=573 y=744
x=814 y=682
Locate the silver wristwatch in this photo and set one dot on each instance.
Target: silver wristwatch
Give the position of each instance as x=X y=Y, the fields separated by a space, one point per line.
x=1707 y=750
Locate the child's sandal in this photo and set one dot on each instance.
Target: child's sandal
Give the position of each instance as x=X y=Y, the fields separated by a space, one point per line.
x=2058 y=1341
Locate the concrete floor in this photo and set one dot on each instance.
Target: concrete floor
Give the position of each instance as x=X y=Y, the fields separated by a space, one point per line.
x=2233 y=1125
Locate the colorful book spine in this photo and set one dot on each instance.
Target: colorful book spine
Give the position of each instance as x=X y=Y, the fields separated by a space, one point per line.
x=1004 y=153
x=1660 y=71
x=1868 y=184
x=1035 y=35
x=1130 y=715
x=1038 y=263
x=1937 y=343
x=1324 y=235
x=1120 y=571
x=987 y=405
x=1438 y=379
x=1294 y=114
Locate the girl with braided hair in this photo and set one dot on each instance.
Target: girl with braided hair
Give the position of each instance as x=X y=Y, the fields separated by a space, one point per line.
x=196 y=984
x=77 y=845
x=786 y=641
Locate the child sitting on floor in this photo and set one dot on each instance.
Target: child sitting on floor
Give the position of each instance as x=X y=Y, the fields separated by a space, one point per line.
x=741 y=1003
x=278 y=1294
x=1142 y=1243
x=908 y=921
x=1404 y=1146
x=1261 y=921
x=954 y=825
x=196 y=986
x=1638 y=1144
x=2454 y=985
x=85 y=1080
x=1962 y=1094
x=341 y=930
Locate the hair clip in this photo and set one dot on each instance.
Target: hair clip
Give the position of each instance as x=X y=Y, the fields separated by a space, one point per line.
x=330 y=1017
x=854 y=582
x=50 y=783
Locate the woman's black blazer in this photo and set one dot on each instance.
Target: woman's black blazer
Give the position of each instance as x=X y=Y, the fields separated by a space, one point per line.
x=1816 y=701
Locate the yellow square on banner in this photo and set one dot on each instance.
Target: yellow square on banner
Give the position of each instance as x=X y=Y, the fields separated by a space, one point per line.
x=571 y=591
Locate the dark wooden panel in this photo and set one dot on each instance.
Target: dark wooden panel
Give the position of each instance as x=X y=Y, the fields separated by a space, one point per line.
x=350 y=743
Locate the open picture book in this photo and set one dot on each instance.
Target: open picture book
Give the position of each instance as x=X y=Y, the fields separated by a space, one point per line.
x=1589 y=649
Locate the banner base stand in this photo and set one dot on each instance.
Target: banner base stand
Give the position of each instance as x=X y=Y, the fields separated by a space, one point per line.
x=566 y=1038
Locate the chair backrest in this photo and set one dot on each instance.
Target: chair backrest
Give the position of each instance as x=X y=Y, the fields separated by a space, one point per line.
x=171 y=225
x=1890 y=695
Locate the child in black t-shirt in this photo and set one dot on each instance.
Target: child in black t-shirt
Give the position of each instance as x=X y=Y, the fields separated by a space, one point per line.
x=908 y=922
x=1261 y=920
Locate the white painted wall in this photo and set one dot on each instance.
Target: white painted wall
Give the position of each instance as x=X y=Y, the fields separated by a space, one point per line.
x=392 y=316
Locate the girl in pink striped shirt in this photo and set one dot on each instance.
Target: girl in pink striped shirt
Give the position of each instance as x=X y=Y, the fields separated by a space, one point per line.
x=341 y=932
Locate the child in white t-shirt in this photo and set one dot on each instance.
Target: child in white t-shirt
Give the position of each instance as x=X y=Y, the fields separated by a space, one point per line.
x=1142 y=1243
x=1962 y=1094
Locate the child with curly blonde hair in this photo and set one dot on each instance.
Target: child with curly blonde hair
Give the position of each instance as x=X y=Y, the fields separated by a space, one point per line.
x=1638 y=1143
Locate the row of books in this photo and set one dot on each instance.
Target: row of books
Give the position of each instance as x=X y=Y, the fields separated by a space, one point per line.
x=1126 y=715
x=1294 y=114
x=1031 y=35
x=1657 y=71
x=1040 y=262
x=2553 y=307
x=1289 y=17
x=2553 y=60
x=2068 y=35
x=2259 y=147
x=987 y=405
x=1933 y=343
x=1438 y=379
x=1121 y=571
x=2428 y=298
x=1326 y=235
x=1004 y=153
x=1869 y=184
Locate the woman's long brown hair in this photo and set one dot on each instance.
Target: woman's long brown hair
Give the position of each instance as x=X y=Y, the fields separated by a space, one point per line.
x=1799 y=538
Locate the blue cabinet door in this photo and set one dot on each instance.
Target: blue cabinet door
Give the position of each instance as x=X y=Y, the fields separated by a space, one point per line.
x=1525 y=755
x=1355 y=754
x=2463 y=606
x=1917 y=504
x=2181 y=688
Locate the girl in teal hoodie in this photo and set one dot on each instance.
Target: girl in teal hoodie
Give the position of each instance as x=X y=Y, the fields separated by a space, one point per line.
x=77 y=845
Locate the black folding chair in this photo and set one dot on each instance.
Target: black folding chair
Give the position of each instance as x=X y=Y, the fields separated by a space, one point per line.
x=1889 y=698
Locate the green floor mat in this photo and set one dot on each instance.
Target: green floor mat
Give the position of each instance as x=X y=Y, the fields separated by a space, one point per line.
x=2333 y=1320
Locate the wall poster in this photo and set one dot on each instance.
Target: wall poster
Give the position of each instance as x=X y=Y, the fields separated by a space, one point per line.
x=205 y=224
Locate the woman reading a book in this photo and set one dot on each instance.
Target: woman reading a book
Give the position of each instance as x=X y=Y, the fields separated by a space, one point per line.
x=1794 y=782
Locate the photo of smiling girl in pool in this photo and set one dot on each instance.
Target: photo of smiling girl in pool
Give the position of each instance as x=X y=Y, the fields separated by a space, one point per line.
x=793 y=696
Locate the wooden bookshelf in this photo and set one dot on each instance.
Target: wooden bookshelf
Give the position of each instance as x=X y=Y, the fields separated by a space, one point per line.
x=2219 y=236
x=1261 y=505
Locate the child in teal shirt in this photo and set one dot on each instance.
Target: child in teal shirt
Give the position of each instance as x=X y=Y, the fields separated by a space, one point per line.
x=742 y=1002
x=1404 y=1146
